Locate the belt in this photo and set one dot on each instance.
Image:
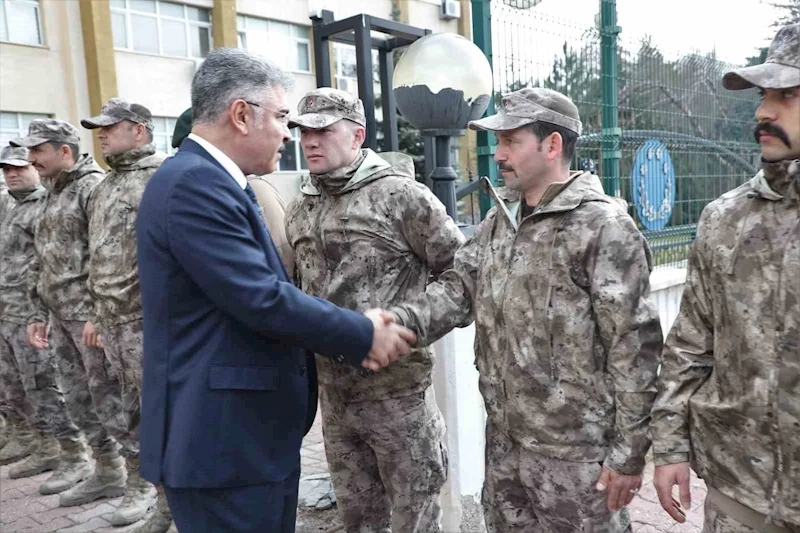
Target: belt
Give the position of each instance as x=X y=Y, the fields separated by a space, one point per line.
x=743 y=514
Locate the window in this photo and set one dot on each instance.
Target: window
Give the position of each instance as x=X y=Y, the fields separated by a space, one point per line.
x=346 y=68
x=293 y=155
x=287 y=45
x=162 y=28
x=20 y=22
x=163 y=127
x=15 y=125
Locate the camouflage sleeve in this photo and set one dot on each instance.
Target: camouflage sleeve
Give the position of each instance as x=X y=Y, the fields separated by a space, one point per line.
x=630 y=332
x=40 y=312
x=428 y=229
x=688 y=359
x=88 y=200
x=446 y=303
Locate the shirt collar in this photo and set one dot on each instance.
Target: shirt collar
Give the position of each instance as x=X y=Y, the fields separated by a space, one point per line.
x=226 y=162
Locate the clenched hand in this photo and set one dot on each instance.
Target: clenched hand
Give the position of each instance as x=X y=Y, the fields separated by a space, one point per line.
x=389 y=340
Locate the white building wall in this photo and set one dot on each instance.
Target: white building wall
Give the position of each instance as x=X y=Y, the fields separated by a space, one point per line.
x=51 y=78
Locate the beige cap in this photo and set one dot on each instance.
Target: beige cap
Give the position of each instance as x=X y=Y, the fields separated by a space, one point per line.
x=325 y=106
x=527 y=106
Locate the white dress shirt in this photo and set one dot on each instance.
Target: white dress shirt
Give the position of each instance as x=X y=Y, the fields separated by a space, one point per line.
x=226 y=162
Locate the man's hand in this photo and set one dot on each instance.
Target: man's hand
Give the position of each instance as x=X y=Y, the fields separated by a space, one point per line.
x=90 y=336
x=389 y=341
x=666 y=477
x=37 y=335
x=621 y=489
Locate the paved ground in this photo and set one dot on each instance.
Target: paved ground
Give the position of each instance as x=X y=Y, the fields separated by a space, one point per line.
x=23 y=510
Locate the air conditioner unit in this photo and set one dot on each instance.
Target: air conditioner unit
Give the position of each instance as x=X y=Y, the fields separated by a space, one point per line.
x=451 y=9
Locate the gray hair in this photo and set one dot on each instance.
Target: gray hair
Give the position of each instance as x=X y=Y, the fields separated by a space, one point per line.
x=228 y=74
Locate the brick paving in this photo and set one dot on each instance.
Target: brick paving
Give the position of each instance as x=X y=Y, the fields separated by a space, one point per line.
x=24 y=510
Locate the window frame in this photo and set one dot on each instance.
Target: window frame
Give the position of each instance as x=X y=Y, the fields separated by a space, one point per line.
x=298 y=151
x=188 y=24
x=37 y=5
x=241 y=32
x=21 y=131
x=170 y=129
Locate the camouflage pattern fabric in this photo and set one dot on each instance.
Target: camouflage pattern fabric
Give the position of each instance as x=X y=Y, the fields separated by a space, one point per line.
x=124 y=351
x=19 y=265
x=397 y=442
x=525 y=491
x=91 y=389
x=113 y=275
x=62 y=244
x=325 y=106
x=36 y=392
x=732 y=358
x=715 y=520
x=781 y=70
x=567 y=344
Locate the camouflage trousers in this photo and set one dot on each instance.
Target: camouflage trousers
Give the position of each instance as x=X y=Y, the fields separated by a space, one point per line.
x=716 y=520
x=387 y=461
x=524 y=492
x=91 y=389
x=124 y=351
x=30 y=384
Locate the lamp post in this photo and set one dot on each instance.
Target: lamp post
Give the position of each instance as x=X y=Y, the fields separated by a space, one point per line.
x=441 y=83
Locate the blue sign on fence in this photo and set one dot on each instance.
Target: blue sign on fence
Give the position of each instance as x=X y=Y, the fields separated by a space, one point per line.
x=653 y=183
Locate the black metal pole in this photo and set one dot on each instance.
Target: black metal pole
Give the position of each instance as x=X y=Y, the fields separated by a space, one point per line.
x=322 y=55
x=365 y=82
x=390 y=141
x=443 y=176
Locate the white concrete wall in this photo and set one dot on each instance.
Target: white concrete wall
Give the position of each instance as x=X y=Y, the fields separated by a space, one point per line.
x=458 y=397
x=162 y=84
x=51 y=78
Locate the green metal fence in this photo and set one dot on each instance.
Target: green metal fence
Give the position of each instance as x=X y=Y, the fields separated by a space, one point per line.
x=630 y=92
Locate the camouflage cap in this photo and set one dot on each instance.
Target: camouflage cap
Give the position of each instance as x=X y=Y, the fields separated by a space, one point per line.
x=183 y=127
x=44 y=130
x=527 y=106
x=16 y=156
x=781 y=70
x=325 y=106
x=116 y=110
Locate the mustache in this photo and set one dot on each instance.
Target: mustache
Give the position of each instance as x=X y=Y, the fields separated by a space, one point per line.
x=771 y=129
x=505 y=166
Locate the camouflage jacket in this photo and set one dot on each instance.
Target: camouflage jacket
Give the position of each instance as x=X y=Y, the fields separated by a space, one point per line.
x=62 y=241
x=113 y=272
x=6 y=200
x=729 y=393
x=567 y=345
x=374 y=239
x=18 y=262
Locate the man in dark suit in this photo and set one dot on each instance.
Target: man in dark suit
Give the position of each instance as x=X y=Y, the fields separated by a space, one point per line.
x=229 y=387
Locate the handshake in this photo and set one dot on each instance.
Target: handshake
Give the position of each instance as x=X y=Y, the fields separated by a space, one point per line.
x=389 y=340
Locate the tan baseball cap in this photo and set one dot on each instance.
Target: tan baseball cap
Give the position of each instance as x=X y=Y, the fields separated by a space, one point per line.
x=781 y=70
x=44 y=130
x=527 y=106
x=15 y=156
x=325 y=106
x=116 y=110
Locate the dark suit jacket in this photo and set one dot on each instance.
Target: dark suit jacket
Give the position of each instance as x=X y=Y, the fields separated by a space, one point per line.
x=227 y=386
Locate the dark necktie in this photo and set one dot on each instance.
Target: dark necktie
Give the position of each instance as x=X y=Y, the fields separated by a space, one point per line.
x=248 y=190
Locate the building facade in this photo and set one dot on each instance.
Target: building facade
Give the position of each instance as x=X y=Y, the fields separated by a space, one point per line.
x=64 y=58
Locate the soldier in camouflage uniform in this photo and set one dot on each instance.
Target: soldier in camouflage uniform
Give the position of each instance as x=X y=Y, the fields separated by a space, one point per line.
x=12 y=424
x=366 y=234
x=567 y=345
x=92 y=390
x=729 y=394
x=29 y=375
x=125 y=135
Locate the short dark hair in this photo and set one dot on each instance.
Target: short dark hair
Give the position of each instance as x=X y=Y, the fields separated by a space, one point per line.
x=74 y=149
x=569 y=138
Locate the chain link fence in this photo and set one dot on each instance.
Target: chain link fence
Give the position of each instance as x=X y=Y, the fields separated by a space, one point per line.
x=682 y=139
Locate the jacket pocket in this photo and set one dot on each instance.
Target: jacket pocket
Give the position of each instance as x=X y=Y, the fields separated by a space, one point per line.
x=263 y=378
